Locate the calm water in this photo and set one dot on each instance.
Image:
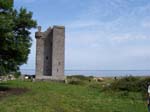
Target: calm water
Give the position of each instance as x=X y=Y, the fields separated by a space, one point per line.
x=103 y=73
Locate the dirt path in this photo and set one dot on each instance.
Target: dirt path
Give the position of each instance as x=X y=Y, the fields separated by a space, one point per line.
x=4 y=92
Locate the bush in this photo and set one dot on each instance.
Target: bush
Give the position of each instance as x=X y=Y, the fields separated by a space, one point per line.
x=75 y=81
x=133 y=84
x=80 y=77
x=144 y=84
x=129 y=83
x=123 y=93
x=17 y=74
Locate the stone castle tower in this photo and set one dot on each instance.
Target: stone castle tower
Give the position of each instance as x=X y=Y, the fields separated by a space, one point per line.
x=50 y=53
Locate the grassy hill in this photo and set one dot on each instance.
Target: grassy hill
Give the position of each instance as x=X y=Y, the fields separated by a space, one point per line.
x=60 y=97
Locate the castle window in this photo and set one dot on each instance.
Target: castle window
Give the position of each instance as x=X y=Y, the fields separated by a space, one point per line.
x=58 y=63
x=47 y=57
x=57 y=69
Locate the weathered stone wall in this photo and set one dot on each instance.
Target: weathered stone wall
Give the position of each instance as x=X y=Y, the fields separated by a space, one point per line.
x=50 y=53
x=58 y=51
x=39 y=54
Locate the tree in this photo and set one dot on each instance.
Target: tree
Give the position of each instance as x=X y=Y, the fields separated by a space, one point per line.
x=15 y=40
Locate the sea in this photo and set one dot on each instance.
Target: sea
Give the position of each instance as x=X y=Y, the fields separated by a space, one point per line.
x=98 y=73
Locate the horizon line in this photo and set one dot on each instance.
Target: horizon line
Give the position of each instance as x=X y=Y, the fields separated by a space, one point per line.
x=99 y=70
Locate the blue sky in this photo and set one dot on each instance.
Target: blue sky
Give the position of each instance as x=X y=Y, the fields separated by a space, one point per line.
x=100 y=34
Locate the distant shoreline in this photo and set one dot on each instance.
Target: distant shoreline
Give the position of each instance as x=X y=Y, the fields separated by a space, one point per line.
x=98 y=73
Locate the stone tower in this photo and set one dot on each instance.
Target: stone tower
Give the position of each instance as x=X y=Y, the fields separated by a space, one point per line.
x=50 y=53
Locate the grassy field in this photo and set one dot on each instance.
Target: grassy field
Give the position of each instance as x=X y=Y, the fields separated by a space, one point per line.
x=59 y=97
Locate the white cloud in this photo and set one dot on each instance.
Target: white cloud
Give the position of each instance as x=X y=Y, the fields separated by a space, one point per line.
x=83 y=24
x=128 y=37
x=146 y=24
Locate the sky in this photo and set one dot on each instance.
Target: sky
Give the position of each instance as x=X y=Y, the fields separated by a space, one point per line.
x=100 y=34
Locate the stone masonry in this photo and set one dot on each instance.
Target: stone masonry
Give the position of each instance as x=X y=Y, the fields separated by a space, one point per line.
x=50 y=53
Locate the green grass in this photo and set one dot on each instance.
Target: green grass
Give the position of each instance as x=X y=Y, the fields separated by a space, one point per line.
x=59 y=97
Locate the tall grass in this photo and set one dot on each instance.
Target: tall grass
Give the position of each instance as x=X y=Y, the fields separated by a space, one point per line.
x=59 y=97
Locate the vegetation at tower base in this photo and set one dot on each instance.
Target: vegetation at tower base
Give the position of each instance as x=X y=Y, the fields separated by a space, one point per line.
x=26 y=96
x=15 y=40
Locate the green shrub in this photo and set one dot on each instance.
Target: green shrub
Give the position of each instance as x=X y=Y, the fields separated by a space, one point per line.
x=123 y=93
x=17 y=74
x=129 y=83
x=81 y=77
x=144 y=84
x=75 y=81
x=134 y=84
